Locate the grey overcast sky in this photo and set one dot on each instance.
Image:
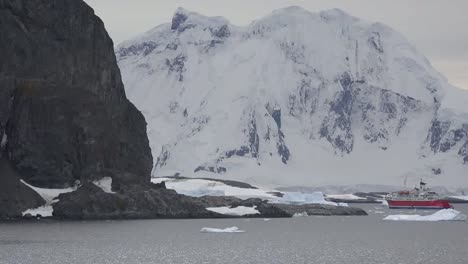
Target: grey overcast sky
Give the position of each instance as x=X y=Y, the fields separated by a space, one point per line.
x=438 y=28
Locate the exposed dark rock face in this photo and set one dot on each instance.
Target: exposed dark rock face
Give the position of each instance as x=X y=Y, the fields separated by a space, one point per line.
x=254 y=140
x=64 y=116
x=62 y=102
x=221 y=32
x=444 y=136
x=15 y=197
x=320 y=209
x=135 y=202
x=336 y=128
x=178 y=19
x=144 y=48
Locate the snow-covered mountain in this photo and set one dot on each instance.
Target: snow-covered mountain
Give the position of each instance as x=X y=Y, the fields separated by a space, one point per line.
x=295 y=98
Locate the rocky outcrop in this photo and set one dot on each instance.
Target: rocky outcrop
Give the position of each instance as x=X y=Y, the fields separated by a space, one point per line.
x=320 y=209
x=135 y=202
x=63 y=105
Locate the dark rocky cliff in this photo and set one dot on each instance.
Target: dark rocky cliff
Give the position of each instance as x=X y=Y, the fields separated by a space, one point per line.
x=64 y=116
x=64 y=109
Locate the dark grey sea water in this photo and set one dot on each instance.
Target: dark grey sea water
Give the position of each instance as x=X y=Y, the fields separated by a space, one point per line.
x=334 y=239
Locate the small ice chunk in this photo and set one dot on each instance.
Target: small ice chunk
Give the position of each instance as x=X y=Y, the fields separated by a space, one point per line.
x=44 y=211
x=266 y=219
x=442 y=215
x=233 y=229
x=237 y=211
x=300 y=214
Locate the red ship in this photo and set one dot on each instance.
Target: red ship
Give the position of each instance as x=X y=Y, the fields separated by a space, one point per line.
x=418 y=198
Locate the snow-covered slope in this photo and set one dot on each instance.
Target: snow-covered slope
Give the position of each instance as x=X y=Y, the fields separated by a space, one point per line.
x=295 y=98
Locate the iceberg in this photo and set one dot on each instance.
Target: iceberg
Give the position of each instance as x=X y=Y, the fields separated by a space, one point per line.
x=233 y=229
x=237 y=211
x=442 y=215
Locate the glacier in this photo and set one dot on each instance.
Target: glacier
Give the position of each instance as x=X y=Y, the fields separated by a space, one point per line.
x=295 y=98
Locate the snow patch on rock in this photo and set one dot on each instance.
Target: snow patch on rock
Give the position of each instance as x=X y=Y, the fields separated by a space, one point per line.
x=49 y=196
x=4 y=141
x=105 y=184
x=44 y=211
x=200 y=187
x=237 y=211
x=306 y=198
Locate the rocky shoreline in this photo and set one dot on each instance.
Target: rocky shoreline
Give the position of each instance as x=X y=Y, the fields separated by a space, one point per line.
x=90 y=202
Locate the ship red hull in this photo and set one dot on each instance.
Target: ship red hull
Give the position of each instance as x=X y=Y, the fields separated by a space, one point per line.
x=417 y=204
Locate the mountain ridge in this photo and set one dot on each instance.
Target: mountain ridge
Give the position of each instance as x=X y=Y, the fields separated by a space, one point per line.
x=253 y=103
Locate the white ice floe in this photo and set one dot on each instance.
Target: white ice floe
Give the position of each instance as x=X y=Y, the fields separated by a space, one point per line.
x=48 y=195
x=306 y=198
x=237 y=211
x=233 y=229
x=347 y=196
x=266 y=219
x=300 y=214
x=201 y=187
x=442 y=215
x=105 y=184
x=44 y=211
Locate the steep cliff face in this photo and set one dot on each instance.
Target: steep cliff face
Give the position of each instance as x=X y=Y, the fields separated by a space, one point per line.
x=295 y=98
x=64 y=116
